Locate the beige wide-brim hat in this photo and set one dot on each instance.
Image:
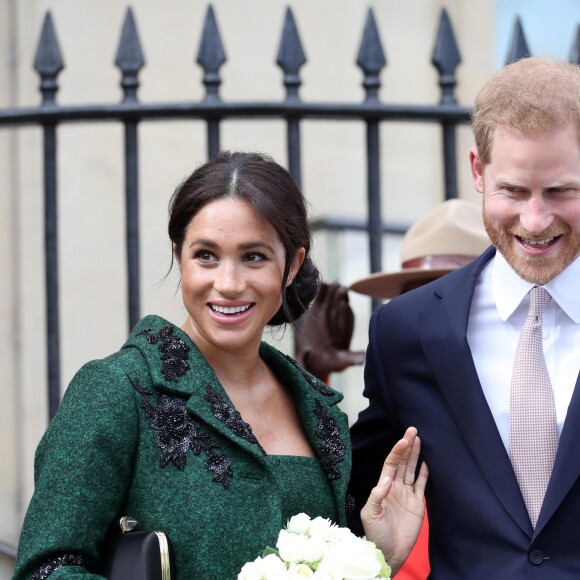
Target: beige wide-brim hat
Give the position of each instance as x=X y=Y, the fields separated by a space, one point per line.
x=448 y=237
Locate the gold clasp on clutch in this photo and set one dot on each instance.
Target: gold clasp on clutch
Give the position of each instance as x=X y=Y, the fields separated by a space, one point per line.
x=127 y=523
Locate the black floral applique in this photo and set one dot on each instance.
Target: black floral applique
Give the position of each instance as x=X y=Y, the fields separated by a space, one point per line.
x=50 y=566
x=314 y=383
x=332 y=447
x=221 y=467
x=176 y=433
x=227 y=414
x=174 y=352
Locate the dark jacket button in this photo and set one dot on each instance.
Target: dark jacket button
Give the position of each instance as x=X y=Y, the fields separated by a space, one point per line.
x=536 y=557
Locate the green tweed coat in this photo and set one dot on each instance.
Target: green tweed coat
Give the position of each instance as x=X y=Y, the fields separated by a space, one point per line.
x=150 y=432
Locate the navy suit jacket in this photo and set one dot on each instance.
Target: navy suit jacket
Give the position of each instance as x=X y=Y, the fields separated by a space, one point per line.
x=419 y=371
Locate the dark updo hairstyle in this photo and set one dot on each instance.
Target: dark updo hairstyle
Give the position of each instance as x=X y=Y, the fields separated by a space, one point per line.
x=275 y=197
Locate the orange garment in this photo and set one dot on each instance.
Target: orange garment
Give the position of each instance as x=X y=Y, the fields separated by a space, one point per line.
x=417 y=565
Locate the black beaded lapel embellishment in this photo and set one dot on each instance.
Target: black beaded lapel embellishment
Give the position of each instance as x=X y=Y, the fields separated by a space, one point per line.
x=350 y=504
x=332 y=447
x=176 y=432
x=221 y=467
x=314 y=383
x=54 y=564
x=174 y=352
x=227 y=414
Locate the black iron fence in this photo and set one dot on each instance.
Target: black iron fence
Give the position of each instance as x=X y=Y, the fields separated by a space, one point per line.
x=213 y=110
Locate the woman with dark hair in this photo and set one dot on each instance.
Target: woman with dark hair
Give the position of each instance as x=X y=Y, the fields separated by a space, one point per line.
x=204 y=432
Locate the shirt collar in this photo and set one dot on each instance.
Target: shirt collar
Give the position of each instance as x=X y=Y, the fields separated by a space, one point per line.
x=509 y=289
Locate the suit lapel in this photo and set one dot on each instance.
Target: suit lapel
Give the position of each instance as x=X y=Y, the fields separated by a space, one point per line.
x=567 y=464
x=443 y=328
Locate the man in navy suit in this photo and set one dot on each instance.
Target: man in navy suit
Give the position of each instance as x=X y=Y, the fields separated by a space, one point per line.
x=440 y=357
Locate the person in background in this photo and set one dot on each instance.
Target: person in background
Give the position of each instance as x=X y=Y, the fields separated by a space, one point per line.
x=484 y=362
x=204 y=431
x=447 y=237
x=324 y=334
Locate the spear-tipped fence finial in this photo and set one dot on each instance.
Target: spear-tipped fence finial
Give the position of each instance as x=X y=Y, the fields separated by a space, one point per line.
x=519 y=46
x=574 y=57
x=48 y=61
x=446 y=58
x=371 y=57
x=211 y=54
x=291 y=55
x=130 y=59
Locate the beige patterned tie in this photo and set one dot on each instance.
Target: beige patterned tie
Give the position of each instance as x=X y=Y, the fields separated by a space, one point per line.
x=533 y=430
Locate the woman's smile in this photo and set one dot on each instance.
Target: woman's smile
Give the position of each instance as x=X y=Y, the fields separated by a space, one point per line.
x=229 y=309
x=229 y=313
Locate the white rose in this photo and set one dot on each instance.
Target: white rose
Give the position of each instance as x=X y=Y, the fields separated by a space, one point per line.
x=319 y=527
x=336 y=534
x=354 y=559
x=292 y=547
x=314 y=550
x=299 y=524
x=297 y=548
x=271 y=567
x=299 y=571
x=249 y=571
x=268 y=568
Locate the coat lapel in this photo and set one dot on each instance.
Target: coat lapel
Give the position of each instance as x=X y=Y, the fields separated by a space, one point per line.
x=443 y=328
x=324 y=423
x=178 y=368
x=211 y=406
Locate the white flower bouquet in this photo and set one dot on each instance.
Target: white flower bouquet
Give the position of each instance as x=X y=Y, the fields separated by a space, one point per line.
x=317 y=548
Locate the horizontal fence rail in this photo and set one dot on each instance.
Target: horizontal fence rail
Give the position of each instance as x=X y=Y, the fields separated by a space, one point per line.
x=8 y=550
x=213 y=110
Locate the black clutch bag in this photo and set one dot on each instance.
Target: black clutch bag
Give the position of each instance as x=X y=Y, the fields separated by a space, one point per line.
x=136 y=555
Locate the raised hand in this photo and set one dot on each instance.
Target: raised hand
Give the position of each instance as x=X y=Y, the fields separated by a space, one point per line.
x=394 y=511
x=325 y=332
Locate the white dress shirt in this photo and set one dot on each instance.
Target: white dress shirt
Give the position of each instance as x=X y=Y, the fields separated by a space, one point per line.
x=498 y=312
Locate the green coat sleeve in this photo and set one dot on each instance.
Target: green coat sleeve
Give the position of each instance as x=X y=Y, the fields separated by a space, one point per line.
x=82 y=473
